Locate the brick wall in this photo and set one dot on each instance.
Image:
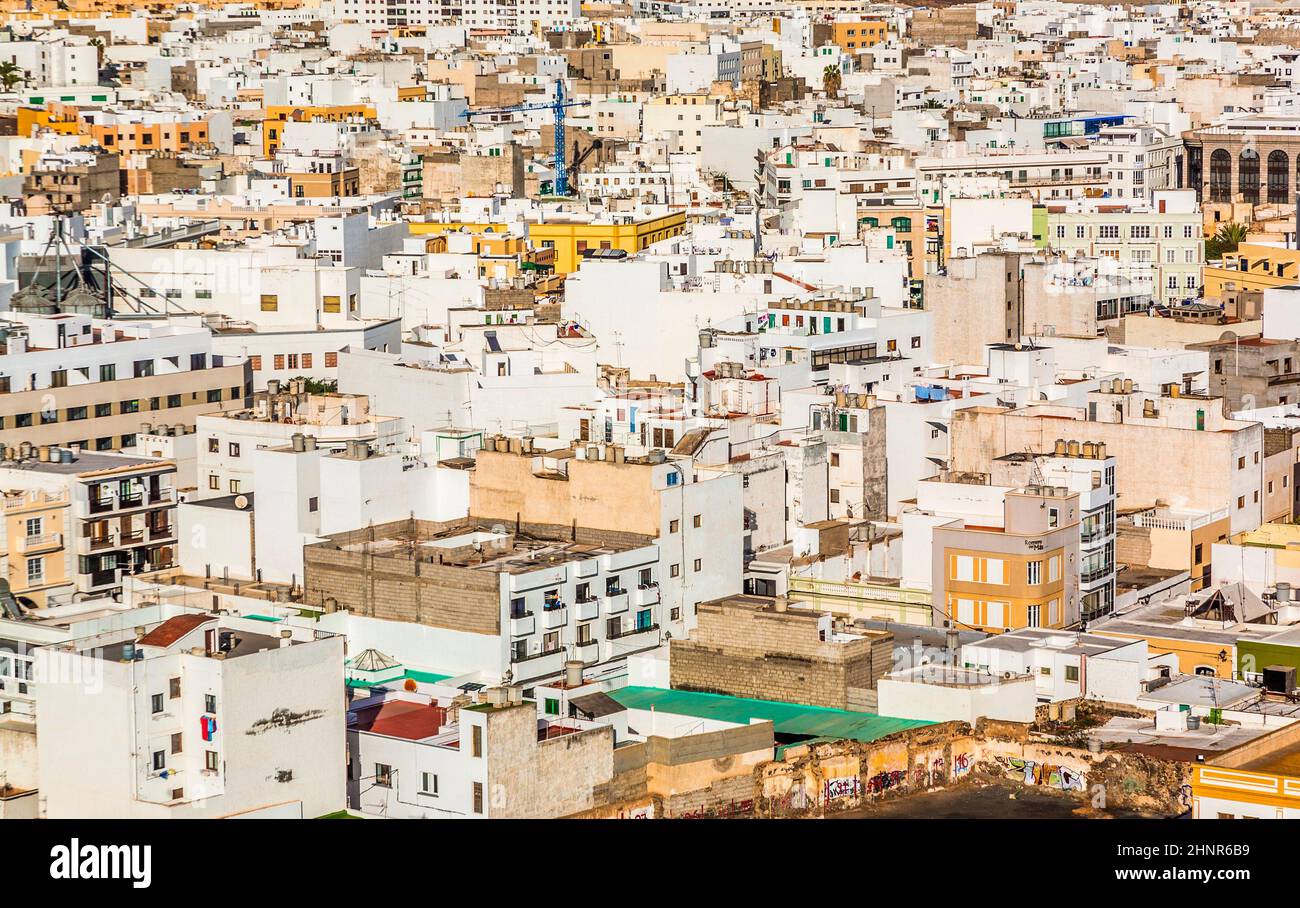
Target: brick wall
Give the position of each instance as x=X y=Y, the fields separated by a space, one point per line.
x=744 y=651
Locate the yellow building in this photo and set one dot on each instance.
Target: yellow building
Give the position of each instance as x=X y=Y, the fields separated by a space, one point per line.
x=36 y=530
x=855 y=36
x=570 y=239
x=1257 y=780
x=1024 y=573
x=1254 y=266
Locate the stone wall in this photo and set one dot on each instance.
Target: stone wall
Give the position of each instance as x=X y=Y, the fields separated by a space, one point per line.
x=745 y=651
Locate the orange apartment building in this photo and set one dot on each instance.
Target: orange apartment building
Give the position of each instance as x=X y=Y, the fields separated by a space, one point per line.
x=1024 y=573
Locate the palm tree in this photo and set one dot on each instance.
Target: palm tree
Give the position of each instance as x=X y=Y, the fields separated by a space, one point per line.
x=11 y=75
x=831 y=81
x=932 y=104
x=1228 y=237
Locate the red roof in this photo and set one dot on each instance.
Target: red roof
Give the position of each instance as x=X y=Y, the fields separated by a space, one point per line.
x=174 y=629
x=403 y=719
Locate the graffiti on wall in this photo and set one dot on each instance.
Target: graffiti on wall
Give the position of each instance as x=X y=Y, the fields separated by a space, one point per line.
x=1032 y=772
x=847 y=787
x=961 y=764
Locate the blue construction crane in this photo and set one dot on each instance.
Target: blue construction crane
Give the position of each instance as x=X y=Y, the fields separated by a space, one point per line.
x=557 y=107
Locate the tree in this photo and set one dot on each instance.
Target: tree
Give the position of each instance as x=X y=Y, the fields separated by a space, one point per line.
x=11 y=75
x=832 y=79
x=1227 y=239
x=932 y=104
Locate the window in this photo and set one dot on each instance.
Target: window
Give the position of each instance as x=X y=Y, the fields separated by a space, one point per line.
x=476 y=735
x=159 y=760
x=1072 y=673
x=552 y=706
x=1034 y=571
x=1034 y=616
x=478 y=797
x=209 y=703
x=156 y=704
x=214 y=482
x=176 y=743
x=674 y=526
x=835 y=496
x=699 y=565
x=174 y=688
x=1053 y=517
x=235 y=486
x=331 y=360
x=35 y=571
x=675 y=570
x=76 y=413
x=313 y=504
x=270 y=302
x=129 y=406
x=331 y=304
x=695 y=521
x=234 y=449
x=429 y=783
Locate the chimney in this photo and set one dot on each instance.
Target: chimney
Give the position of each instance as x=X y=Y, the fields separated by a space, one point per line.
x=781 y=604
x=286 y=638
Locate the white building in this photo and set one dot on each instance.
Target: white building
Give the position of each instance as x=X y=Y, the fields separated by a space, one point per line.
x=184 y=721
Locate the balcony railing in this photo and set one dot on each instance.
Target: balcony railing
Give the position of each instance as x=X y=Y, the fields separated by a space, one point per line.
x=555 y=616
x=616 y=603
x=99 y=543
x=163 y=532
x=522 y=624
x=633 y=631
x=1098 y=573
x=647 y=594
x=588 y=608
x=41 y=543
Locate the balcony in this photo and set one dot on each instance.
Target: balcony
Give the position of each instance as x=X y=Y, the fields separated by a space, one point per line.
x=537 y=665
x=616 y=603
x=555 y=615
x=588 y=652
x=646 y=595
x=162 y=496
x=1094 y=574
x=88 y=544
x=588 y=608
x=102 y=505
x=132 y=537
x=48 y=542
x=634 y=638
x=522 y=625
x=103 y=578
x=162 y=532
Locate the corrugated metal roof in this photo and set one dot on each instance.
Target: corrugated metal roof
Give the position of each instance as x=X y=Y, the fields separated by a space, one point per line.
x=786 y=718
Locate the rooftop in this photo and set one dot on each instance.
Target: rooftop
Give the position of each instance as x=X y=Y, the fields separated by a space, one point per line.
x=786 y=718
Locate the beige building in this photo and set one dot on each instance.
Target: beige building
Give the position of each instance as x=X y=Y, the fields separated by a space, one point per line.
x=749 y=646
x=1218 y=461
